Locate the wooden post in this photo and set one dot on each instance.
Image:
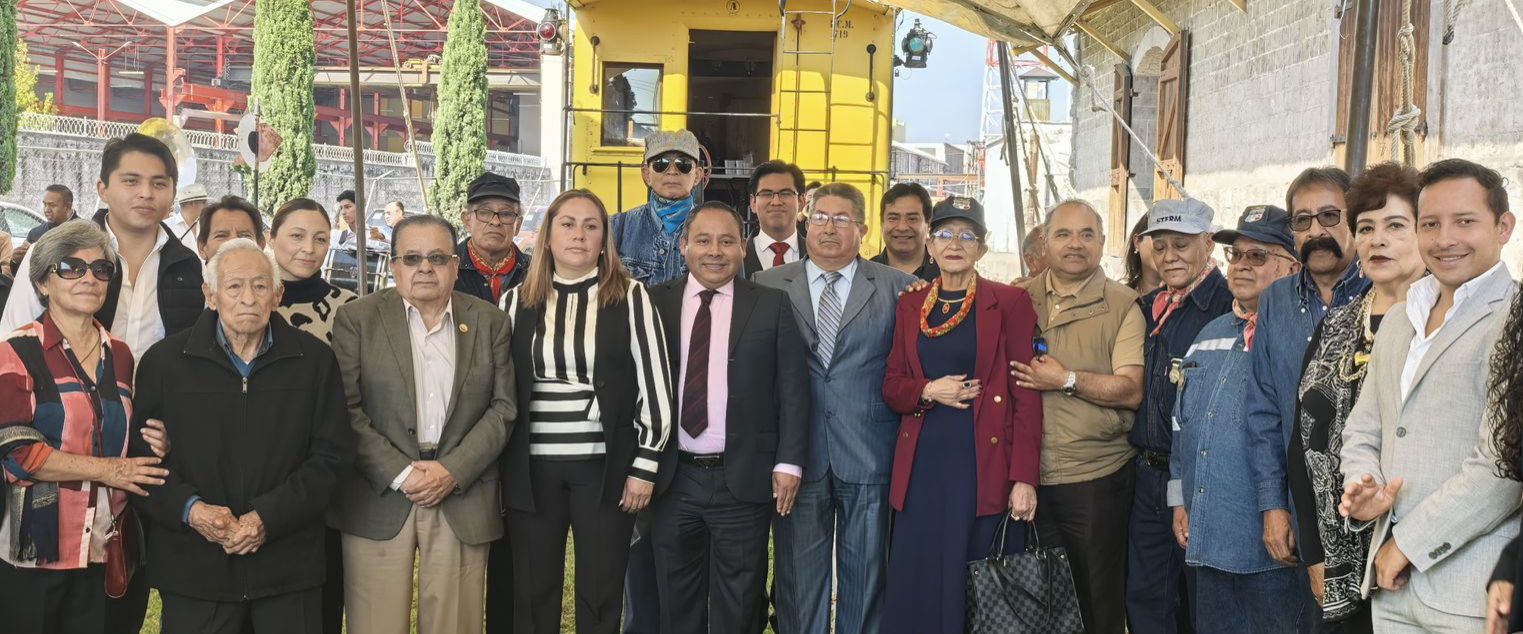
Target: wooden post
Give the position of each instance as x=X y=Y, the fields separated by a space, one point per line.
x=1158 y=16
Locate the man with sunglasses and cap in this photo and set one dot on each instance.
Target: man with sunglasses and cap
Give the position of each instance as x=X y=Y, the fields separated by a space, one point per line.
x=1193 y=294
x=1291 y=308
x=647 y=236
x=490 y=263
x=1238 y=586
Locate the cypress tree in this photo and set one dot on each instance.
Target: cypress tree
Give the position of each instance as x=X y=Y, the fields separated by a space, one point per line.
x=283 y=68
x=8 y=116
x=460 y=137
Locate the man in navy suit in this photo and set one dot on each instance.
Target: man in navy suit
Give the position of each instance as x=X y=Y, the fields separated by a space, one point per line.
x=845 y=306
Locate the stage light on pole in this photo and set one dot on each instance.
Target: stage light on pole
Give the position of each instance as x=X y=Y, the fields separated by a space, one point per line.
x=552 y=33
x=916 y=45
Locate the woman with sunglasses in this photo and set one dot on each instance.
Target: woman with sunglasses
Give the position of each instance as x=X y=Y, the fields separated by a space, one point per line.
x=65 y=387
x=594 y=413
x=1382 y=209
x=299 y=237
x=969 y=439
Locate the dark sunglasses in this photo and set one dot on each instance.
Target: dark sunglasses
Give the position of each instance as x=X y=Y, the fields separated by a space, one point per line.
x=414 y=259
x=1256 y=257
x=74 y=268
x=1329 y=218
x=661 y=164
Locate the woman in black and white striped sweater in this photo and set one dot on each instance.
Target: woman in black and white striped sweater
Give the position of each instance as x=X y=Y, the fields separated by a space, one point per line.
x=594 y=413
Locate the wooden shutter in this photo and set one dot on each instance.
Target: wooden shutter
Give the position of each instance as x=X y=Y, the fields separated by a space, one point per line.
x=1385 y=98
x=1173 y=84
x=1121 y=151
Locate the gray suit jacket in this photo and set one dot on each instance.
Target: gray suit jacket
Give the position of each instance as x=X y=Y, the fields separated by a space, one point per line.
x=371 y=341
x=1453 y=515
x=851 y=430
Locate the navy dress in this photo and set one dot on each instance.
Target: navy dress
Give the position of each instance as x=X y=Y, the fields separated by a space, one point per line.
x=938 y=532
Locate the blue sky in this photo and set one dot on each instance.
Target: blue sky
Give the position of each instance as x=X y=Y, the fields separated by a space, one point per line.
x=941 y=102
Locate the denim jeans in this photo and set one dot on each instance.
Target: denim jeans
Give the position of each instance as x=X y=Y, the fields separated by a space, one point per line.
x=1271 y=602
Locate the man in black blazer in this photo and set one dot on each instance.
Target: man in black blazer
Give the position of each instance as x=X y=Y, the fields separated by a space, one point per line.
x=743 y=411
x=777 y=194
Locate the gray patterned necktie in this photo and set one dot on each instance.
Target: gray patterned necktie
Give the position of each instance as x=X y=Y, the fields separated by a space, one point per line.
x=829 y=318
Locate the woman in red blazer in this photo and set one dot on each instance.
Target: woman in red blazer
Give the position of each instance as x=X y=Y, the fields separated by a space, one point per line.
x=969 y=437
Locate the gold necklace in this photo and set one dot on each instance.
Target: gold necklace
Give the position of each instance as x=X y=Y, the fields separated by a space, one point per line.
x=1356 y=361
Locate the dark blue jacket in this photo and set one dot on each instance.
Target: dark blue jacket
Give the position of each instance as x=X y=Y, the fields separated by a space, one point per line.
x=1152 y=430
x=471 y=281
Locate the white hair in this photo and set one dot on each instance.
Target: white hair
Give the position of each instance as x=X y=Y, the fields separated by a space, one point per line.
x=213 y=267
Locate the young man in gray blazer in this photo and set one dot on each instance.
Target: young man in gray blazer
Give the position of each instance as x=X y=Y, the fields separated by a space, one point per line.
x=845 y=305
x=431 y=399
x=1417 y=453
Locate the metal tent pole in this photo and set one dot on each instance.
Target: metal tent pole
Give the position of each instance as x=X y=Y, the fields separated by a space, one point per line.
x=356 y=133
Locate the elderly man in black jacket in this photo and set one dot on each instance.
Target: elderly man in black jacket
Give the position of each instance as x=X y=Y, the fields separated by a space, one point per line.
x=258 y=436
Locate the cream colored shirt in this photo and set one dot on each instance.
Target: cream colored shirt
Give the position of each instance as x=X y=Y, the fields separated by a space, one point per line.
x=1420 y=301
x=433 y=370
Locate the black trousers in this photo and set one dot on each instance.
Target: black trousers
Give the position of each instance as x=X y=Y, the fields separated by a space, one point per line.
x=35 y=601
x=125 y=615
x=711 y=555
x=500 y=587
x=299 y=612
x=567 y=494
x=1090 y=520
x=333 y=584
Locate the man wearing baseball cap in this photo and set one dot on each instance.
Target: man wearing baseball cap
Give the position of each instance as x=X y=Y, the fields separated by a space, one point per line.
x=185 y=225
x=1193 y=293
x=1238 y=585
x=647 y=236
x=490 y=263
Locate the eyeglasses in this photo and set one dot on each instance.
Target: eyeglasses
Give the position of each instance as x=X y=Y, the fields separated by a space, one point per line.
x=412 y=260
x=505 y=217
x=74 y=268
x=661 y=164
x=767 y=194
x=823 y=219
x=943 y=236
x=1256 y=257
x=1328 y=218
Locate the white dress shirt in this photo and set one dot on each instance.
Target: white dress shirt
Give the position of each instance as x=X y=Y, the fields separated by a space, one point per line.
x=433 y=371
x=761 y=245
x=1420 y=301
x=187 y=234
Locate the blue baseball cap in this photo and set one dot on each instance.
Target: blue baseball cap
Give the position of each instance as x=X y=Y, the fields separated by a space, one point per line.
x=1264 y=223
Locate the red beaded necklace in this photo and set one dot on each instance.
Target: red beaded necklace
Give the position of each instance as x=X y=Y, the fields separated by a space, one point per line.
x=930 y=303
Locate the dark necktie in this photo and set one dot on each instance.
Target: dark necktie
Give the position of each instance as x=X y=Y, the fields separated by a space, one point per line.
x=695 y=390
x=778 y=249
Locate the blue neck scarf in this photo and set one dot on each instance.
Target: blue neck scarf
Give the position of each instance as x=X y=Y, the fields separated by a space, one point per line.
x=671 y=212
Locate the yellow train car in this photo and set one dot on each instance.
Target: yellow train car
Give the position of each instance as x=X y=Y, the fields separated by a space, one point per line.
x=803 y=81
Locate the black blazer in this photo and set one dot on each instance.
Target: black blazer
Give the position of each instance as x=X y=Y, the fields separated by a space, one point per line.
x=752 y=264
x=617 y=392
x=180 y=297
x=276 y=442
x=767 y=417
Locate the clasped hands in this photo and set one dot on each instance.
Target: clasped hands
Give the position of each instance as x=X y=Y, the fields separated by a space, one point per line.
x=428 y=484
x=237 y=535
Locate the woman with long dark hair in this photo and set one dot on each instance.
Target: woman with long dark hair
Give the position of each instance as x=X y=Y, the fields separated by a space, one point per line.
x=1504 y=594
x=1141 y=273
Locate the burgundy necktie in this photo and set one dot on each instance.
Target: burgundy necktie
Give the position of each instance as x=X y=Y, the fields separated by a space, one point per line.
x=778 y=249
x=695 y=390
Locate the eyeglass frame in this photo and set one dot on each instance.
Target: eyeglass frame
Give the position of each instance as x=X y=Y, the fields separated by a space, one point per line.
x=1302 y=222
x=672 y=162
x=820 y=219
x=767 y=194
x=85 y=267
x=517 y=212
x=1262 y=255
x=443 y=259
x=966 y=235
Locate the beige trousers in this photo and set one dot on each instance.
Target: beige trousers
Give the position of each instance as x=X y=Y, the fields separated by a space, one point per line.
x=378 y=578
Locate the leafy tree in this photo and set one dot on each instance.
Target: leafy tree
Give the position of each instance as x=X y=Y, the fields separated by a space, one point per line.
x=460 y=136
x=283 y=68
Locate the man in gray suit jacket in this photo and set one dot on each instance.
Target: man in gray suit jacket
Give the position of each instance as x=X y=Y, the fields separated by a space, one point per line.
x=1417 y=447
x=846 y=306
x=431 y=409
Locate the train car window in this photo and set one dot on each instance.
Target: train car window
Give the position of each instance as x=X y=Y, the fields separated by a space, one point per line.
x=631 y=103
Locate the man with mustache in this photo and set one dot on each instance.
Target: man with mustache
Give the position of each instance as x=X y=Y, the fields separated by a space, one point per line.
x=904 y=215
x=1238 y=587
x=1289 y=311
x=490 y=263
x=777 y=195
x=1192 y=295
x=1419 y=448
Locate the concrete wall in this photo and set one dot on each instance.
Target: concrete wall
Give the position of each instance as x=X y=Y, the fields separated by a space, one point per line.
x=1262 y=90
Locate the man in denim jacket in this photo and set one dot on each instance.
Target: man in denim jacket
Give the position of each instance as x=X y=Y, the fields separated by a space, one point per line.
x=1238 y=586
x=646 y=236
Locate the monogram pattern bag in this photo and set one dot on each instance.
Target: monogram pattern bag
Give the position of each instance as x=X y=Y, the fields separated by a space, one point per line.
x=1030 y=591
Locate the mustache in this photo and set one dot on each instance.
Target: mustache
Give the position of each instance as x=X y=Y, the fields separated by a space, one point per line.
x=1324 y=243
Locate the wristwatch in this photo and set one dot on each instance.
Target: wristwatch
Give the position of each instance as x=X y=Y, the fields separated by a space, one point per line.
x=1072 y=384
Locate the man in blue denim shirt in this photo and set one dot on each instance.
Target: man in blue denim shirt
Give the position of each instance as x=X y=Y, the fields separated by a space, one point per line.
x=1289 y=311
x=1237 y=586
x=1193 y=293
x=646 y=236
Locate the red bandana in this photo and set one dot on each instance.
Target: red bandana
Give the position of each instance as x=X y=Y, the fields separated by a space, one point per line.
x=1169 y=299
x=1252 y=317
x=495 y=274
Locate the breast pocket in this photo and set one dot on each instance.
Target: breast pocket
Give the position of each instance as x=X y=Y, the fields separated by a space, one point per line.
x=641 y=269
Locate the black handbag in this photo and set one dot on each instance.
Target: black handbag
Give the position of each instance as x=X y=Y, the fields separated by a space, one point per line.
x=1031 y=591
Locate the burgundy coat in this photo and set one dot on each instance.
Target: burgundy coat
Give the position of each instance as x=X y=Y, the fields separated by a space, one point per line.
x=1007 y=420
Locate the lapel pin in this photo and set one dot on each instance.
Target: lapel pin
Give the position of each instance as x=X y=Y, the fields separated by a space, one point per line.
x=464 y=329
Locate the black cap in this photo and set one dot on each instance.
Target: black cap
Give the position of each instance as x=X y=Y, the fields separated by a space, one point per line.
x=959 y=208
x=1264 y=223
x=489 y=185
